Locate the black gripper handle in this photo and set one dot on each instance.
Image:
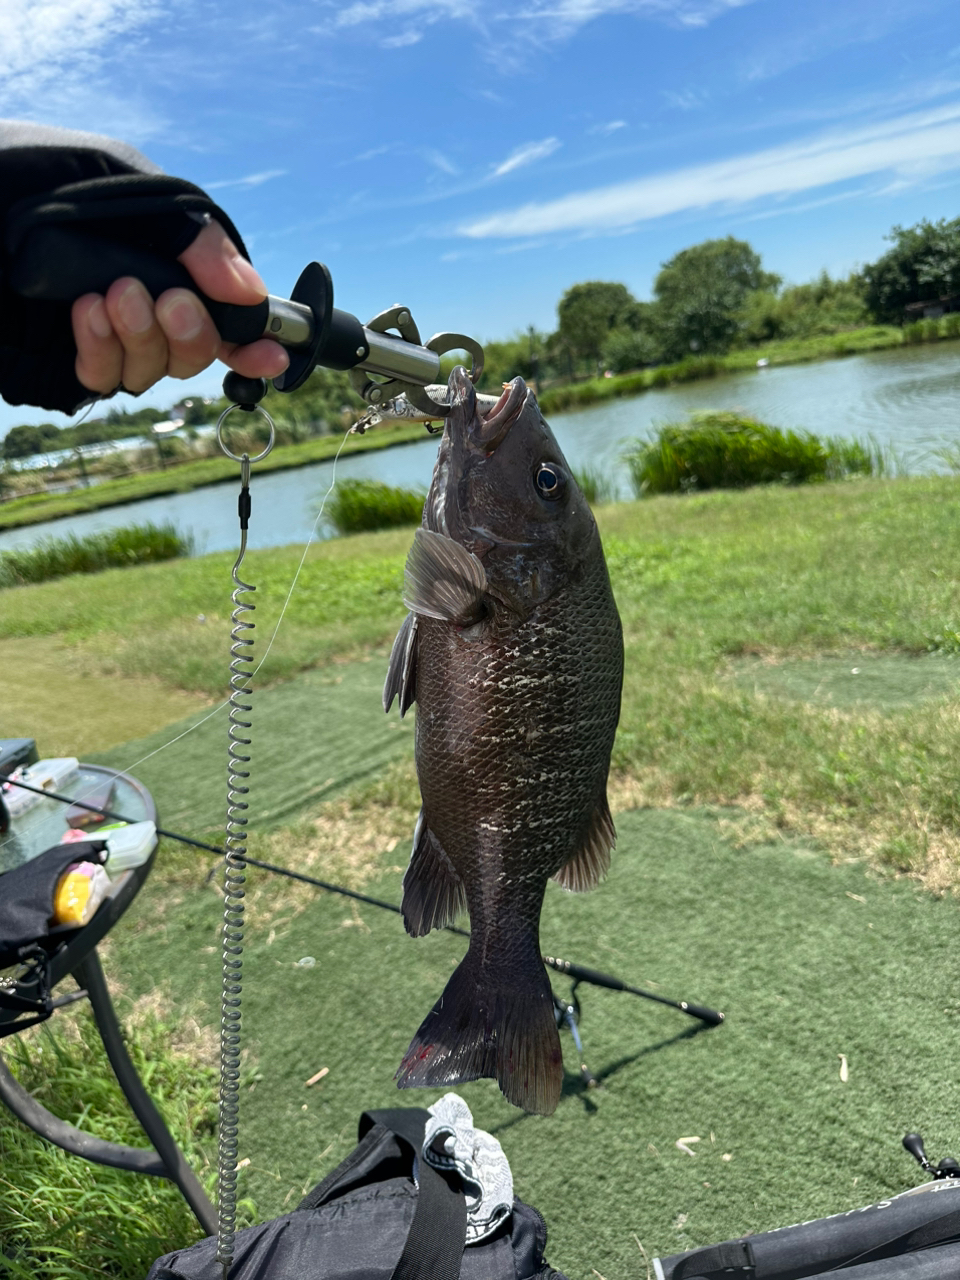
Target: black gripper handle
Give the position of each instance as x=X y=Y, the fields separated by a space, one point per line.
x=913 y=1143
x=59 y=264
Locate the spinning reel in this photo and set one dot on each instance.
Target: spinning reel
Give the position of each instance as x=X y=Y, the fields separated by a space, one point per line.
x=947 y=1168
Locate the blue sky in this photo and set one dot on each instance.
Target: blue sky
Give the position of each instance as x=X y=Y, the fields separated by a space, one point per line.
x=473 y=161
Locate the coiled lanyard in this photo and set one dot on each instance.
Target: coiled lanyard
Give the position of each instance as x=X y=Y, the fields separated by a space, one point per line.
x=245 y=394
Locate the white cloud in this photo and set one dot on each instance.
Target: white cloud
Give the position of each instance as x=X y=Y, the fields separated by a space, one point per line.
x=527 y=154
x=52 y=51
x=685 y=99
x=909 y=148
x=250 y=180
x=544 y=21
x=402 y=41
x=610 y=127
x=439 y=161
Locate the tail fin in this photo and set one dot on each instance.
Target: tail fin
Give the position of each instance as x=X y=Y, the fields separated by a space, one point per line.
x=478 y=1029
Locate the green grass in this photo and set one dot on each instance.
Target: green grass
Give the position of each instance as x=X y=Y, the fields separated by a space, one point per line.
x=744 y=614
x=701 y=582
x=194 y=475
x=122 y=547
x=728 y=450
x=807 y=960
x=62 y=1218
x=360 y=506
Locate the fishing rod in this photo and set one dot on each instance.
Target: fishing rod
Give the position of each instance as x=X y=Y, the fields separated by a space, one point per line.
x=579 y=973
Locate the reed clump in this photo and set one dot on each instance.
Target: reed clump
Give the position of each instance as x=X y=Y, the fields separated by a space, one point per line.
x=728 y=450
x=360 y=506
x=596 y=485
x=112 y=549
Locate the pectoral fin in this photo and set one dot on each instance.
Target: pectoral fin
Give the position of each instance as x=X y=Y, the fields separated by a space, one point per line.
x=433 y=893
x=443 y=580
x=591 y=862
x=402 y=671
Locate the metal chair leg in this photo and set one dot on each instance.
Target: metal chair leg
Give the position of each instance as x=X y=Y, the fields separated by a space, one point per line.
x=90 y=975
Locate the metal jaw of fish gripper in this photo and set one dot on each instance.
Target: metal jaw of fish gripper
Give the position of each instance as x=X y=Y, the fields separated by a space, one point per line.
x=378 y=380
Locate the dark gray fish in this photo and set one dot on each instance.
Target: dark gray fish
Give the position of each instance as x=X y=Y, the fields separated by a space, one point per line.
x=514 y=655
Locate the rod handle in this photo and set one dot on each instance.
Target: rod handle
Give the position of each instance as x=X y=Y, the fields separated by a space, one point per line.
x=711 y=1016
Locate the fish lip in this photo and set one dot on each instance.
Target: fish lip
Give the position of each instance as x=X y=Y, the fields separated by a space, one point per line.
x=495 y=424
x=486 y=429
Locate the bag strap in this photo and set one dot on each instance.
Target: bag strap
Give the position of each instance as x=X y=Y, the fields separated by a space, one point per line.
x=434 y=1247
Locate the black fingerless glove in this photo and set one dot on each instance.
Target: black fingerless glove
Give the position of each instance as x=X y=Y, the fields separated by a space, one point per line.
x=57 y=177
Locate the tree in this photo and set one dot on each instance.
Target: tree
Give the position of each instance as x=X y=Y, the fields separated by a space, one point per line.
x=701 y=291
x=588 y=312
x=626 y=349
x=21 y=442
x=922 y=266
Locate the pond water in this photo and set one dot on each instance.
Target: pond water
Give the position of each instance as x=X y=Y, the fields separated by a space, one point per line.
x=907 y=399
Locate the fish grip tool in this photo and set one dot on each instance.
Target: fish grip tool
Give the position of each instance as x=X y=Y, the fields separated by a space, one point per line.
x=245 y=395
x=386 y=357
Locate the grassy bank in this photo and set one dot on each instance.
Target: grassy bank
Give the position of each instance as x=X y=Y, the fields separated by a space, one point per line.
x=696 y=368
x=36 y=508
x=712 y=588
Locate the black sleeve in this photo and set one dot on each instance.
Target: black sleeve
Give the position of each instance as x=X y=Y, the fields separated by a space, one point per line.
x=62 y=177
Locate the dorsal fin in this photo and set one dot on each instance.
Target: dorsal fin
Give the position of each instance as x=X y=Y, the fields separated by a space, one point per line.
x=444 y=580
x=591 y=862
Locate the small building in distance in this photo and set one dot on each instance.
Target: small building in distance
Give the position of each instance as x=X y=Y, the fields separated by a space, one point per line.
x=932 y=309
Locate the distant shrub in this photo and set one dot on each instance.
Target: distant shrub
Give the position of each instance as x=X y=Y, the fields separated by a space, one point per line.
x=951 y=325
x=358 y=506
x=931 y=330
x=725 y=450
x=913 y=333
x=111 y=549
x=596 y=485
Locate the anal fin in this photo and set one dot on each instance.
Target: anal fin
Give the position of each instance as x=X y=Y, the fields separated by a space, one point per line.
x=433 y=893
x=402 y=672
x=591 y=862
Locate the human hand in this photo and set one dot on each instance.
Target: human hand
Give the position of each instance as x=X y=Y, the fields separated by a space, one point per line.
x=126 y=337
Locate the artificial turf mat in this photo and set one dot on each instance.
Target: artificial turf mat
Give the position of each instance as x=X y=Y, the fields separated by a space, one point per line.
x=808 y=960
x=313 y=736
x=885 y=681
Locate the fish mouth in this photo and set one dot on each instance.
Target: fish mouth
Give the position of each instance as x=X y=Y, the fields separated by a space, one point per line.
x=487 y=425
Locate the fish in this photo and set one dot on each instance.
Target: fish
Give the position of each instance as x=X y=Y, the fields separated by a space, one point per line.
x=513 y=653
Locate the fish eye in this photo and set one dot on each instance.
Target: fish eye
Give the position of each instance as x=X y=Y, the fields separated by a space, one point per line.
x=550 y=481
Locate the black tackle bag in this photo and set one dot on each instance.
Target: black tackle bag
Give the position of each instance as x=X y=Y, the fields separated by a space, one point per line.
x=368 y=1220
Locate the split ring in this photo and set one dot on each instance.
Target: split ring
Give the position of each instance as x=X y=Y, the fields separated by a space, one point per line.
x=270 y=443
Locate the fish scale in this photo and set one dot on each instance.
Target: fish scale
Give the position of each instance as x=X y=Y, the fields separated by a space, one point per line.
x=517 y=677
